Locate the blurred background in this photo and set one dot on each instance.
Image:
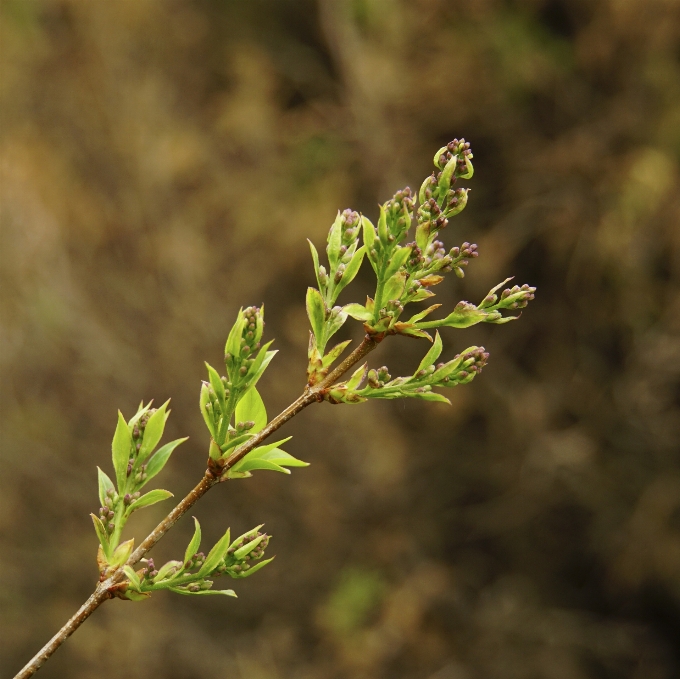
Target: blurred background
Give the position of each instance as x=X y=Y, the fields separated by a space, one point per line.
x=163 y=162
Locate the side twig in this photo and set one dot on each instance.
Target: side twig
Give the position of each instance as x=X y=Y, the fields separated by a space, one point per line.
x=105 y=589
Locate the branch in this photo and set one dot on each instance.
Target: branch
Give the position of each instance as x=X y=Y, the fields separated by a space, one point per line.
x=105 y=590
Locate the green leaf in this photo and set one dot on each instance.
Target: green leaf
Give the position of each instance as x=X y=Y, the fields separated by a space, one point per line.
x=204 y=399
x=432 y=355
x=335 y=322
x=272 y=453
x=383 y=233
x=315 y=258
x=158 y=461
x=242 y=552
x=132 y=595
x=260 y=364
x=105 y=484
x=132 y=577
x=398 y=259
x=251 y=407
x=350 y=272
x=334 y=353
x=148 y=499
x=422 y=314
x=216 y=384
x=122 y=553
x=216 y=554
x=283 y=459
x=334 y=241
x=370 y=239
x=233 y=345
x=254 y=569
x=120 y=449
x=357 y=377
x=430 y=396
x=140 y=411
x=153 y=432
x=101 y=534
x=246 y=465
x=235 y=443
x=317 y=313
x=263 y=450
x=166 y=568
x=463 y=316
x=203 y=592
x=192 y=547
x=358 y=311
x=394 y=287
x=446 y=177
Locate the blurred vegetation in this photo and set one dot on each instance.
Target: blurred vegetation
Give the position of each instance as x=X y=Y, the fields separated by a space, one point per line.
x=163 y=163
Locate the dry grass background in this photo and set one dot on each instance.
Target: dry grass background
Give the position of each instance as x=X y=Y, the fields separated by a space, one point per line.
x=163 y=163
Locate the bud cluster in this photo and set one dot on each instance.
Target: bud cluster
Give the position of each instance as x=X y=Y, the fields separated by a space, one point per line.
x=377 y=378
x=460 y=150
x=343 y=258
x=399 y=215
x=238 y=358
x=149 y=571
x=131 y=497
x=194 y=562
x=242 y=552
x=107 y=513
x=138 y=429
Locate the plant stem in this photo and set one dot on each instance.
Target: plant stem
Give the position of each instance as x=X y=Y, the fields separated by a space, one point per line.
x=105 y=590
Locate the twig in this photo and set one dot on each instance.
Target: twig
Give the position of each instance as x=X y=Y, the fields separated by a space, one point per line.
x=106 y=588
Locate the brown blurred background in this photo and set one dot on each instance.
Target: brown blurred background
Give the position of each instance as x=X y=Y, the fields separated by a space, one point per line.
x=163 y=163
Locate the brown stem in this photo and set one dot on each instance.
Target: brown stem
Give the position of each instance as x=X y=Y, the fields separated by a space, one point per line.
x=104 y=589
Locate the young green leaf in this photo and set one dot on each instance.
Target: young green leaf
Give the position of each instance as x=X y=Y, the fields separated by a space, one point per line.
x=334 y=240
x=249 y=465
x=203 y=402
x=357 y=377
x=334 y=353
x=370 y=239
x=202 y=592
x=101 y=535
x=133 y=578
x=168 y=569
x=162 y=455
x=358 y=311
x=251 y=407
x=122 y=553
x=350 y=272
x=120 y=449
x=242 y=552
x=317 y=313
x=394 y=287
x=398 y=260
x=260 y=364
x=140 y=411
x=233 y=345
x=432 y=355
x=153 y=432
x=315 y=258
x=216 y=384
x=272 y=453
x=429 y=396
x=148 y=499
x=253 y=569
x=105 y=484
x=419 y=316
x=192 y=547
x=216 y=554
